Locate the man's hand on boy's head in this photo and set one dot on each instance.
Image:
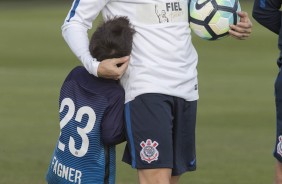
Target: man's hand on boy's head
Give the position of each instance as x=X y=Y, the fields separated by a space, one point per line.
x=113 y=68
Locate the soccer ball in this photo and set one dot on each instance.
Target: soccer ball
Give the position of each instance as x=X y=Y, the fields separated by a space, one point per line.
x=210 y=19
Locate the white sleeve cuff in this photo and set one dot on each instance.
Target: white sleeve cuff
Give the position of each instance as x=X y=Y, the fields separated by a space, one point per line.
x=91 y=65
x=94 y=68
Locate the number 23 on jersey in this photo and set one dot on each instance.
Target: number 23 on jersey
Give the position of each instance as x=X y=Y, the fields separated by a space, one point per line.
x=82 y=132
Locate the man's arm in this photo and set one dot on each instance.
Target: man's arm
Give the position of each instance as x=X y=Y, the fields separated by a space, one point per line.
x=77 y=38
x=75 y=32
x=267 y=13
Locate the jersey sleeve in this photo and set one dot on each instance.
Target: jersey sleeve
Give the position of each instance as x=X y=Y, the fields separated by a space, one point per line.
x=112 y=127
x=75 y=30
x=267 y=13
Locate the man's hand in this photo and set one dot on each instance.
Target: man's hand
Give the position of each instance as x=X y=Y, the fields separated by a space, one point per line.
x=109 y=69
x=242 y=29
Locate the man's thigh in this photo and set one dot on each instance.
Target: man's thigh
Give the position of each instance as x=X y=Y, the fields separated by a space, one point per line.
x=278 y=173
x=154 y=176
x=149 y=131
x=161 y=133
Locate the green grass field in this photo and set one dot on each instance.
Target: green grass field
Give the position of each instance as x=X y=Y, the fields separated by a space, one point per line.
x=236 y=114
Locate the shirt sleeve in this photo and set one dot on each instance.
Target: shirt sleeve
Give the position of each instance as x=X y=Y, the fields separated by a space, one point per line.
x=75 y=30
x=267 y=13
x=113 y=125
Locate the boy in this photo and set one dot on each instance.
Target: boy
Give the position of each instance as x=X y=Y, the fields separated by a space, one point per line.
x=91 y=114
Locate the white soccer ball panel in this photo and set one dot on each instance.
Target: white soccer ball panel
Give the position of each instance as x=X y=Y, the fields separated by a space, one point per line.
x=200 y=31
x=220 y=22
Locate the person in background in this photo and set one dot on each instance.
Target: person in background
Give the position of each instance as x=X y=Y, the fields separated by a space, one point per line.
x=268 y=14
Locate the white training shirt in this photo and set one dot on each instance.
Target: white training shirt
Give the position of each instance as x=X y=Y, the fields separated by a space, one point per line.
x=163 y=59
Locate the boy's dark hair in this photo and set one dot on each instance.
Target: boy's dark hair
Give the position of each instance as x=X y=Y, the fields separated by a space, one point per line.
x=112 y=39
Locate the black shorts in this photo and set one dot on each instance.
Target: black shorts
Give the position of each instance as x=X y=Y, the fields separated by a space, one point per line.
x=161 y=133
x=278 y=102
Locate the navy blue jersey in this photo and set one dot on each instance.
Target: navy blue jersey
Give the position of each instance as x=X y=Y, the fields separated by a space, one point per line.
x=91 y=123
x=268 y=14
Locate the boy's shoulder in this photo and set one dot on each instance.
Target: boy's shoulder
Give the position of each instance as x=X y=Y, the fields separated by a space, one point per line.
x=93 y=84
x=80 y=75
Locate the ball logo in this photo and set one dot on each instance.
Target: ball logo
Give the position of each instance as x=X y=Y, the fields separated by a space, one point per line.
x=200 y=5
x=149 y=151
x=279 y=146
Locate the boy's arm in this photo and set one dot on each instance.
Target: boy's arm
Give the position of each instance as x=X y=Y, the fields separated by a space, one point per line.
x=113 y=123
x=267 y=13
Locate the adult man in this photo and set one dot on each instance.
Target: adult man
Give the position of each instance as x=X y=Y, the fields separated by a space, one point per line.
x=161 y=87
x=268 y=14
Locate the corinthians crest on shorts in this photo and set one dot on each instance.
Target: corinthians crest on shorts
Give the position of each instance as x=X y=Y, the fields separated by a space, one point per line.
x=149 y=151
x=279 y=146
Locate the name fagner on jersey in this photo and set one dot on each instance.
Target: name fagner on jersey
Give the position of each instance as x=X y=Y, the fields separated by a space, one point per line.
x=70 y=174
x=87 y=107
